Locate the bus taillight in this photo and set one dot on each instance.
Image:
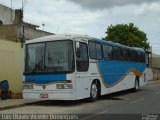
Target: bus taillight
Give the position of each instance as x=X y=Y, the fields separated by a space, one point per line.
x=68 y=81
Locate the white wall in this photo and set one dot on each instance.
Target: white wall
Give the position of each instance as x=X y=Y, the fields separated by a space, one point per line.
x=149 y=75
x=7 y=15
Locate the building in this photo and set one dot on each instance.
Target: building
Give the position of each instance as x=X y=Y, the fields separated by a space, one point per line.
x=11 y=68
x=13 y=33
x=12 y=24
x=155 y=65
x=7 y=15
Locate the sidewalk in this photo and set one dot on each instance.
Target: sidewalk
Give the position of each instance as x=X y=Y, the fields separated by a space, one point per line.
x=14 y=103
x=153 y=81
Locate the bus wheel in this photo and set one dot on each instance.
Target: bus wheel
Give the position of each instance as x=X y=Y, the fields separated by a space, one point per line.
x=93 y=92
x=136 y=86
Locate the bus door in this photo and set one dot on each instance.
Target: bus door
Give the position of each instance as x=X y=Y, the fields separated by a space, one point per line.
x=82 y=65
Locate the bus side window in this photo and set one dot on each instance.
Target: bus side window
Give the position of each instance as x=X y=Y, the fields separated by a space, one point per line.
x=95 y=50
x=127 y=55
x=135 y=56
x=139 y=56
x=120 y=54
x=82 y=56
x=124 y=54
x=132 y=56
x=92 y=49
x=115 y=53
x=111 y=53
x=107 y=52
x=98 y=51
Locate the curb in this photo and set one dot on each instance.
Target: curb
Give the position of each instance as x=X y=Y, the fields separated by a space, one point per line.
x=17 y=106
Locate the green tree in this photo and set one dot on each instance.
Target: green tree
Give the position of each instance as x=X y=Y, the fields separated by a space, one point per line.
x=127 y=34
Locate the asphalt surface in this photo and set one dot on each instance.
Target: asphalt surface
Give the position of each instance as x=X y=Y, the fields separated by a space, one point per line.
x=119 y=105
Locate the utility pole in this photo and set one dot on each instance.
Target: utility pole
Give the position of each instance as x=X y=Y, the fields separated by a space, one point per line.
x=23 y=29
x=22 y=4
x=151 y=56
x=11 y=11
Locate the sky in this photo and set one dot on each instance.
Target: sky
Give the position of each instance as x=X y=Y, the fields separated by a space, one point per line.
x=92 y=17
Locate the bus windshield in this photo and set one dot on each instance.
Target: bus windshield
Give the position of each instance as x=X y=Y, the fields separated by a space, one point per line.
x=49 y=57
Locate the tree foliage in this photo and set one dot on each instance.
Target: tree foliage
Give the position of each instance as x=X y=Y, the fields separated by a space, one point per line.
x=127 y=34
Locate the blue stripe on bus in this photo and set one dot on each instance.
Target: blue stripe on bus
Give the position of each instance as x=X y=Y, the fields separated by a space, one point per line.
x=45 y=79
x=113 y=71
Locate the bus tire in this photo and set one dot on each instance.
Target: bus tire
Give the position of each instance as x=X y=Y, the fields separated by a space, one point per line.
x=136 y=85
x=93 y=92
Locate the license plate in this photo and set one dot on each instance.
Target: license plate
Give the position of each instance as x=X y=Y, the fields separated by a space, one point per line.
x=43 y=95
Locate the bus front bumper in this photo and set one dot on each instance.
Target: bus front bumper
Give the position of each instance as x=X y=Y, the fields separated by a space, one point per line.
x=49 y=95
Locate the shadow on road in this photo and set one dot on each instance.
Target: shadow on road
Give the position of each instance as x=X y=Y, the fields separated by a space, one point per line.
x=118 y=95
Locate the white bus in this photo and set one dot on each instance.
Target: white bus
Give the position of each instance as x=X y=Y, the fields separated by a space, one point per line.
x=72 y=67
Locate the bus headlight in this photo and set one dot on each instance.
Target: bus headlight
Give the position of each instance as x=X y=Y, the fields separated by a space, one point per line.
x=68 y=86
x=28 y=86
x=64 y=86
x=60 y=86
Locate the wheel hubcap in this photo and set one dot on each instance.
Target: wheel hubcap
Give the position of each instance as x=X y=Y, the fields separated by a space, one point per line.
x=94 y=91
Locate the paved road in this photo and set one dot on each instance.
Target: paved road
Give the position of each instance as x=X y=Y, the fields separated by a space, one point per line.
x=146 y=100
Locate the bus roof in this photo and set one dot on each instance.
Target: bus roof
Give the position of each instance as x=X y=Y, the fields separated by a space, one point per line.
x=119 y=45
x=58 y=37
x=73 y=36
